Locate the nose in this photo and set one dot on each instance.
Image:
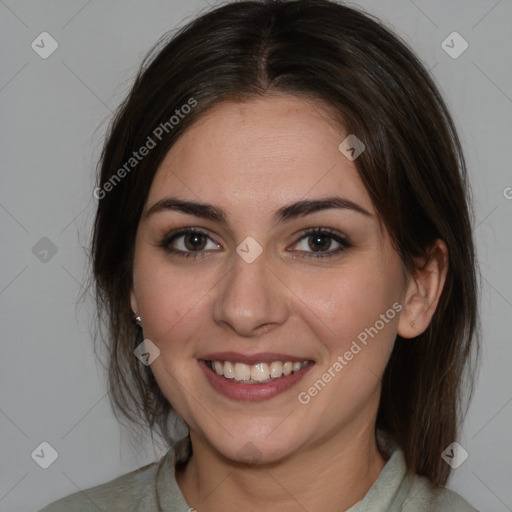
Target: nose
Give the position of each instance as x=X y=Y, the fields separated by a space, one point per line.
x=252 y=299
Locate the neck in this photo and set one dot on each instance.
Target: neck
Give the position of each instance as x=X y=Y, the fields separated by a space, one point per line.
x=330 y=476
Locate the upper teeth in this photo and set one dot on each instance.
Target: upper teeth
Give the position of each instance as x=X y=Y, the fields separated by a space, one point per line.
x=259 y=372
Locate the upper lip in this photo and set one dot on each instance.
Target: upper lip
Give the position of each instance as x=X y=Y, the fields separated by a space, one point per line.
x=262 y=357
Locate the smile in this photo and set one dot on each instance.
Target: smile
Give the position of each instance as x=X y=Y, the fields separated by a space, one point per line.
x=253 y=380
x=257 y=373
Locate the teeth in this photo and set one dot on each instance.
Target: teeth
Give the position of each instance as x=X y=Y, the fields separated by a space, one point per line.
x=276 y=369
x=228 y=370
x=217 y=366
x=242 y=371
x=260 y=372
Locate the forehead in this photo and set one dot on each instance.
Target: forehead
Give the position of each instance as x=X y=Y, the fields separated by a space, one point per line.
x=259 y=154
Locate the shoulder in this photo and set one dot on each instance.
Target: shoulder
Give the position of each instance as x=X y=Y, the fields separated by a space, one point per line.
x=399 y=490
x=423 y=496
x=121 y=494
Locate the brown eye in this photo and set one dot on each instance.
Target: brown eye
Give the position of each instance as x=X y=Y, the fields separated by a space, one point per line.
x=195 y=241
x=188 y=242
x=318 y=241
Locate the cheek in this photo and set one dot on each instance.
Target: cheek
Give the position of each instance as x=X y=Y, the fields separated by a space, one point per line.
x=357 y=307
x=170 y=301
x=349 y=299
x=358 y=329
x=174 y=308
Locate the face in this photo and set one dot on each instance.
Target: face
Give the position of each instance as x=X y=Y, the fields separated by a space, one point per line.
x=256 y=285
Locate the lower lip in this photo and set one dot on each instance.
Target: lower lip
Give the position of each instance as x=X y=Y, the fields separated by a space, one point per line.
x=252 y=392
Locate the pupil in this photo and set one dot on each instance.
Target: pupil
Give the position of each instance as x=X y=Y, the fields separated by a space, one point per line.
x=323 y=246
x=195 y=240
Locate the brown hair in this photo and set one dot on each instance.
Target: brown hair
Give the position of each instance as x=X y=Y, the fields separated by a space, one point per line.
x=413 y=169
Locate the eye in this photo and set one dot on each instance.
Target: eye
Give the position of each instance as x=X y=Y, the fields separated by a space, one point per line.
x=320 y=240
x=188 y=243
x=193 y=242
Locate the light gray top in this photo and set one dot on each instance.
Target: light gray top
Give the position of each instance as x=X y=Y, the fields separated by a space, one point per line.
x=153 y=488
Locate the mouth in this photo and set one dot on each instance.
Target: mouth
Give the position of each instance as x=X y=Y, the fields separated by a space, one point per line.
x=257 y=373
x=253 y=378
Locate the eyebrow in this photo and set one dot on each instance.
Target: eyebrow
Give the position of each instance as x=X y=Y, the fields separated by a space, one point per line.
x=288 y=212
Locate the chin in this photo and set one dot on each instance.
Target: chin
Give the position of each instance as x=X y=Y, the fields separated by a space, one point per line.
x=254 y=449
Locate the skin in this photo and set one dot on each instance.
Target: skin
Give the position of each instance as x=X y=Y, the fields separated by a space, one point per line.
x=250 y=159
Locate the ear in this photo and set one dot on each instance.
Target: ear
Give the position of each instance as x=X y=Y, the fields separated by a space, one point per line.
x=423 y=291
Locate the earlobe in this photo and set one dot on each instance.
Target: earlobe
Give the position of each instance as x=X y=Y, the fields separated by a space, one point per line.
x=424 y=289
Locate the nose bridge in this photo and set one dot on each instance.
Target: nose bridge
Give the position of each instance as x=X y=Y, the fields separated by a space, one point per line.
x=251 y=296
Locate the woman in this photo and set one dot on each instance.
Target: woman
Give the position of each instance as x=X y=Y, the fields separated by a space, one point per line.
x=284 y=256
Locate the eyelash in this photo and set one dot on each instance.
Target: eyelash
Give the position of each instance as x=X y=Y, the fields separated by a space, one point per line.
x=333 y=235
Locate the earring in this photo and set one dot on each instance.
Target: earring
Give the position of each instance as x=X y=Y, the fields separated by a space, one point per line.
x=137 y=319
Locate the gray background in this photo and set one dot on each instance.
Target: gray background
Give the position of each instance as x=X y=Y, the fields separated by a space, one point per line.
x=54 y=113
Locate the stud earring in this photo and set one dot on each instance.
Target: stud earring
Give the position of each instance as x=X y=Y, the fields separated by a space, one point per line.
x=138 y=320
